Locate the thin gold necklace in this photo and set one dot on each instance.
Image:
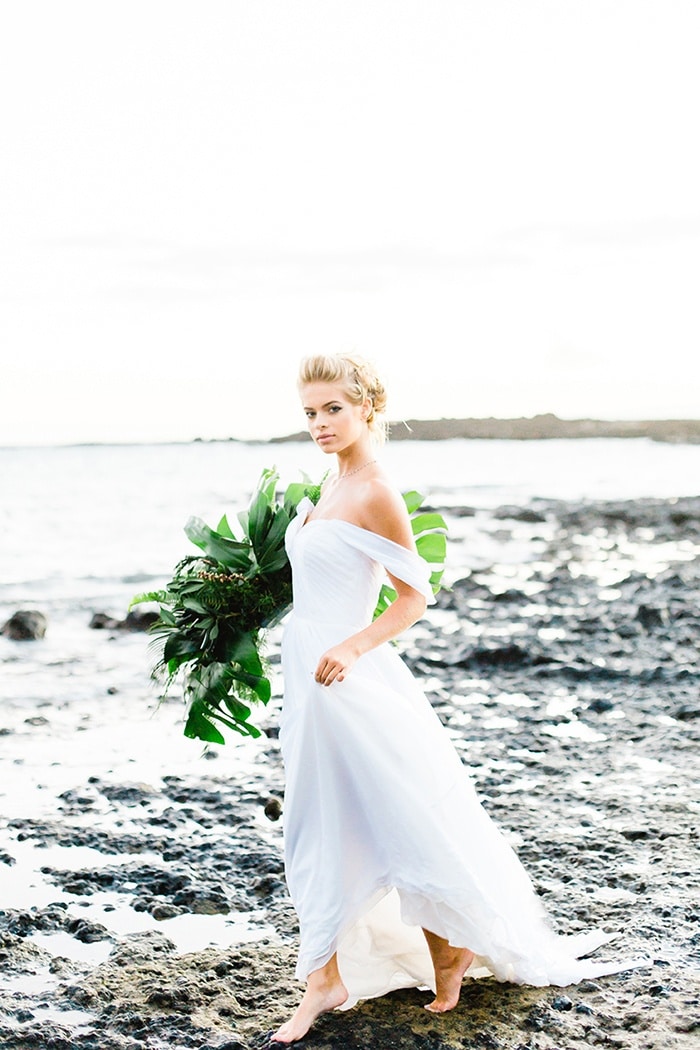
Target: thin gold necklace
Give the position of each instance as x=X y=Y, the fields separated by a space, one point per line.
x=342 y=477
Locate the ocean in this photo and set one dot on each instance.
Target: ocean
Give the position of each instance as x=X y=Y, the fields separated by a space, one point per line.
x=85 y=527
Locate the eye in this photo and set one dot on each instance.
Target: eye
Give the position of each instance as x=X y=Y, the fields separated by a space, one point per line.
x=335 y=408
x=309 y=413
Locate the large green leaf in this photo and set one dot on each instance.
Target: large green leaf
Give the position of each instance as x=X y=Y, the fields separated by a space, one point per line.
x=432 y=546
x=179 y=647
x=267 y=483
x=427 y=523
x=199 y=726
x=413 y=500
x=259 y=519
x=296 y=490
x=166 y=617
x=193 y=605
x=243 y=521
x=262 y=507
x=273 y=560
x=244 y=651
x=224 y=529
x=212 y=682
x=293 y=495
x=270 y=554
x=240 y=711
x=259 y=684
x=231 y=553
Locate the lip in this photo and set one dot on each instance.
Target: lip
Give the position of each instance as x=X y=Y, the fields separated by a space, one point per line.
x=323 y=438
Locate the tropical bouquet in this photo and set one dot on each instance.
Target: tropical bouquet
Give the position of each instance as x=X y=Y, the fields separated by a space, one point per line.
x=216 y=610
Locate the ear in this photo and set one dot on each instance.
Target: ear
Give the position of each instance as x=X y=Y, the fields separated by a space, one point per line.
x=367 y=409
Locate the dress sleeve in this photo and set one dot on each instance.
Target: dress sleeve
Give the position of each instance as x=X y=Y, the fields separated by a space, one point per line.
x=304 y=507
x=406 y=565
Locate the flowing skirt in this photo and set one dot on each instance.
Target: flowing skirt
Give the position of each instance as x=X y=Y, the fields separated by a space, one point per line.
x=384 y=834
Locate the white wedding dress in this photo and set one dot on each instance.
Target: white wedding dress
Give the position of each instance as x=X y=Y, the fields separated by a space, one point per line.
x=384 y=833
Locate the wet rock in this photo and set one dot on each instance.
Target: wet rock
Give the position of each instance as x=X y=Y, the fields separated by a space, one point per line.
x=23 y=923
x=659 y=989
x=77 y=995
x=273 y=808
x=517 y=513
x=687 y=712
x=635 y=834
x=140 y=620
x=87 y=932
x=267 y=886
x=103 y=622
x=601 y=704
x=203 y=902
x=136 y=620
x=144 y=947
x=540 y=1018
x=651 y=617
x=25 y=625
x=165 y=911
x=229 y=1044
x=128 y=794
x=511 y=595
x=511 y=655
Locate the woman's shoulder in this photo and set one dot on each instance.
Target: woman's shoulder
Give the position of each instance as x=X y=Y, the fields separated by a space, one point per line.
x=383 y=511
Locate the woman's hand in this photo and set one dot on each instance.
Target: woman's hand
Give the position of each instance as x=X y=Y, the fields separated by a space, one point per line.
x=335 y=664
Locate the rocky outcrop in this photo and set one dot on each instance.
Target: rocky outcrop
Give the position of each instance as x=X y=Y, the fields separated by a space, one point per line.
x=25 y=625
x=136 y=620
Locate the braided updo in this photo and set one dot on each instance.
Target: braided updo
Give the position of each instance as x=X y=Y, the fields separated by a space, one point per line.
x=360 y=382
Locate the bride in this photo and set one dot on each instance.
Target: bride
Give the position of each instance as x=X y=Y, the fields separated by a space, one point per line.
x=398 y=876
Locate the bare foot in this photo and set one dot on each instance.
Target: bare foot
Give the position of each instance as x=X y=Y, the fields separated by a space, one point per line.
x=319 y=998
x=448 y=979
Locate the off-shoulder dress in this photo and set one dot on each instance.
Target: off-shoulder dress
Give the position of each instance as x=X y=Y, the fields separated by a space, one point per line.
x=383 y=830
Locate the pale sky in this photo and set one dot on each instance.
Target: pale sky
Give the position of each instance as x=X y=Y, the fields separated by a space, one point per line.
x=496 y=201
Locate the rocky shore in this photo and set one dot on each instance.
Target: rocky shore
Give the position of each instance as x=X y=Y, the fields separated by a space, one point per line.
x=569 y=681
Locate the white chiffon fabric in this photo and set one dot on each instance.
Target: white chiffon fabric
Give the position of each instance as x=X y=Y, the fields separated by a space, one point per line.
x=383 y=831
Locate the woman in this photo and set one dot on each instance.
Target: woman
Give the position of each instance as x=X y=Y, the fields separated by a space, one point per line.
x=398 y=876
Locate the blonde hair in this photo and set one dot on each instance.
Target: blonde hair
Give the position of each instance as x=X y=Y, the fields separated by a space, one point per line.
x=359 y=380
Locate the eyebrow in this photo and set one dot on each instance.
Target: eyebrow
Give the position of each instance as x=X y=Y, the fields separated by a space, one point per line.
x=334 y=401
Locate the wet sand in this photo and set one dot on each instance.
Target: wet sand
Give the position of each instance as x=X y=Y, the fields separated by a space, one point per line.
x=569 y=681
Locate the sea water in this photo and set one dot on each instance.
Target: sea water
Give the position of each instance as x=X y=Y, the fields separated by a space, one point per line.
x=83 y=528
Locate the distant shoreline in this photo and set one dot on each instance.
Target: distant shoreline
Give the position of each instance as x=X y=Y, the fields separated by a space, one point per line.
x=536 y=428
x=530 y=428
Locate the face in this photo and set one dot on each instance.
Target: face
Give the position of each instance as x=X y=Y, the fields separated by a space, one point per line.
x=334 y=422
